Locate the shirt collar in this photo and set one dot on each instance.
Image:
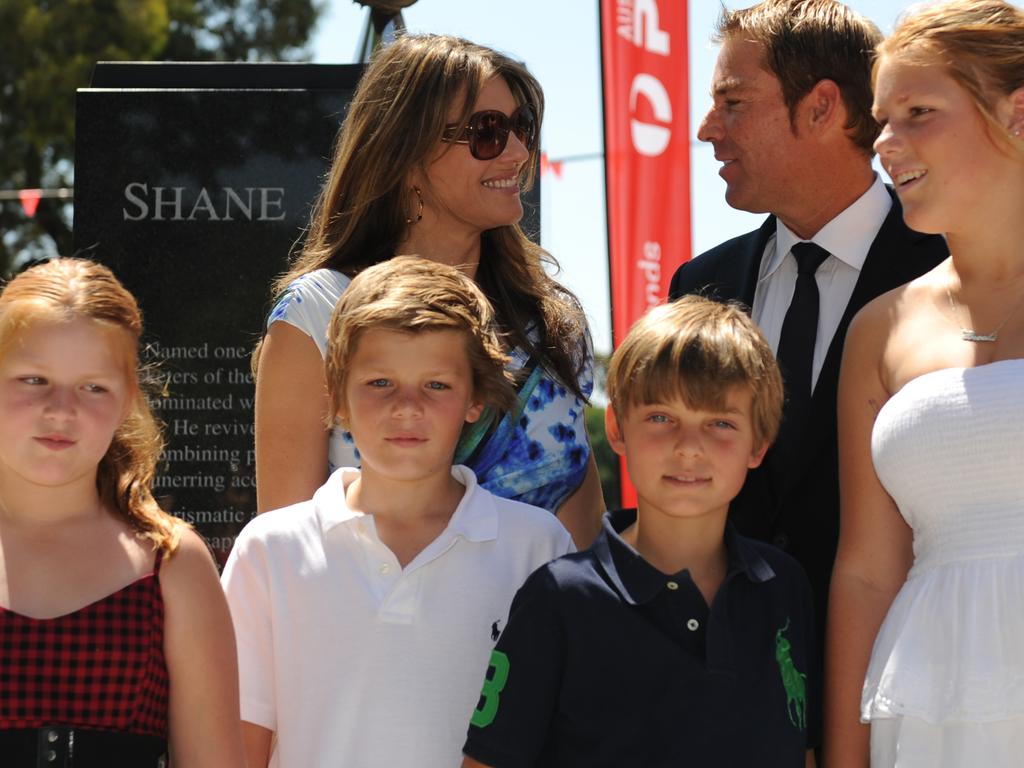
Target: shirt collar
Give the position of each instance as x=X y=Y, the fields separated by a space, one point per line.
x=639 y=582
x=848 y=236
x=474 y=519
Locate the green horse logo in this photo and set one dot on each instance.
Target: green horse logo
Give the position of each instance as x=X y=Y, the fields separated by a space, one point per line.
x=792 y=681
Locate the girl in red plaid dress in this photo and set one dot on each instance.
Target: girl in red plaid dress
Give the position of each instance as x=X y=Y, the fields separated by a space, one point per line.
x=116 y=646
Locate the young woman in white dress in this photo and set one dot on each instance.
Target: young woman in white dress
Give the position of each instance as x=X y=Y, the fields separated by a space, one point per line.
x=926 y=618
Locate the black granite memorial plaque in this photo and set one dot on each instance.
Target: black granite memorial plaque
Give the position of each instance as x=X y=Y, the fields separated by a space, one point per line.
x=193 y=182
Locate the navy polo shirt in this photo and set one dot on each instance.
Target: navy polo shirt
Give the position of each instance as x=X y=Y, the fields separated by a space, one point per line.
x=606 y=661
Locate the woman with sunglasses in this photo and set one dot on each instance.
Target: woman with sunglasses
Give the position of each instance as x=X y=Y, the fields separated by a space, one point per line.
x=439 y=141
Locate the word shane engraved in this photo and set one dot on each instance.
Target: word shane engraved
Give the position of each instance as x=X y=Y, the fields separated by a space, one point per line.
x=220 y=204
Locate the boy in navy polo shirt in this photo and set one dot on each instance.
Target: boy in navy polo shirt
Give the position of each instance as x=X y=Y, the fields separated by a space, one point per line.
x=673 y=641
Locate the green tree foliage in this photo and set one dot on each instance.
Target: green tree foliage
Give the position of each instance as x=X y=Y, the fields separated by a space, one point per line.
x=607 y=459
x=47 y=50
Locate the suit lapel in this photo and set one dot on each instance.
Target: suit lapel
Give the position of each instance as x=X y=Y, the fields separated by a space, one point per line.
x=890 y=262
x=737 y=275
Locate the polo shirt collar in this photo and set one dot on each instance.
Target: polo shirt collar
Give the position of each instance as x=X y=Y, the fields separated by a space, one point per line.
x=848 y=236
x=639 y=582
x=474 y=519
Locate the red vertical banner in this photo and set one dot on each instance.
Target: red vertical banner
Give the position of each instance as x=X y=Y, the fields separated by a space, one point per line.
x=644 y=63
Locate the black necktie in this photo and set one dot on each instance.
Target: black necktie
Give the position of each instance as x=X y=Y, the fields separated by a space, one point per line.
x=796 y=344
x=799 y=329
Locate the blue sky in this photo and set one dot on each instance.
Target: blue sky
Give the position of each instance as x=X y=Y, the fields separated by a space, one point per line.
x=559 y=41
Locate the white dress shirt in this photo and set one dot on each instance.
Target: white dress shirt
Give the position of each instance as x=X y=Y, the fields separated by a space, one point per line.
x=848 y=238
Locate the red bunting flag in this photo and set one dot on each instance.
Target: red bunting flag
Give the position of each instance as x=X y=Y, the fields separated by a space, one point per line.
x=550 y=166
x=30 y=200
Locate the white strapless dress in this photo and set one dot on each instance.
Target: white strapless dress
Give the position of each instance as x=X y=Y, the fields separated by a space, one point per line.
x=945 y=684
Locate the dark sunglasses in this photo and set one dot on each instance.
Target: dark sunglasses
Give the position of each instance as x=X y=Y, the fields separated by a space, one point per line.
x=487 y=132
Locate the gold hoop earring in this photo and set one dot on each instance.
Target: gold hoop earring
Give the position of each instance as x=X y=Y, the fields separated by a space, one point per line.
x=419 y=212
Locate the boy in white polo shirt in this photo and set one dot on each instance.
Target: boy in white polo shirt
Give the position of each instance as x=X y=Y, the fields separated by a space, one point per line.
x=364 y=615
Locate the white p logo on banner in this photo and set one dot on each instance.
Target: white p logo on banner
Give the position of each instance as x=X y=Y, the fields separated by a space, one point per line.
x=645 y=28
x=649 y=138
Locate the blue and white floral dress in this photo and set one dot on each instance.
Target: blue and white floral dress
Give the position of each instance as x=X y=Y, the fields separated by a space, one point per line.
x=538 y=455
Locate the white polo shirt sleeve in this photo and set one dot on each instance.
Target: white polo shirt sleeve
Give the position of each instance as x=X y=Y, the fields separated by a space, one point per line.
x=245 y=585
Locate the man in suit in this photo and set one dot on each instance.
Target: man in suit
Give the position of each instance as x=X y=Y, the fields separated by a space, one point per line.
x=791 y=124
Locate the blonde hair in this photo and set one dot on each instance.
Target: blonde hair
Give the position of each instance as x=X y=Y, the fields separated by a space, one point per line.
x=415 y=295
x=980 y=44
x=393 y=126
x=64 y=290
x=697 y=349
x=806 y=41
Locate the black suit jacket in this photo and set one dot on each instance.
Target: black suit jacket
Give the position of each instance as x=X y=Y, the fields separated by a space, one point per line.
x=795 y=505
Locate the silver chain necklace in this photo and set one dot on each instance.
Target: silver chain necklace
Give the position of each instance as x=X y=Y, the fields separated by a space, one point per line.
x=970 y=335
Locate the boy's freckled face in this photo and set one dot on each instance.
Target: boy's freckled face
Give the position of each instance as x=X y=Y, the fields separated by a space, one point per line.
x=407 y=398
x=686 y=462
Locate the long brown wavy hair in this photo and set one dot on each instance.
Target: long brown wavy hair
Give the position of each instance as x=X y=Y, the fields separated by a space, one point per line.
x=64 y=290
x=393 y=126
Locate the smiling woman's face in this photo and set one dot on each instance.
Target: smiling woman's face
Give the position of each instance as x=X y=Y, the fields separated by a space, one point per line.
x=936 y=146
x=472 y=195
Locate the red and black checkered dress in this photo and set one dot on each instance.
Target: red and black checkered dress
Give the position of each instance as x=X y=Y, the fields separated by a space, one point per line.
x=100 y=667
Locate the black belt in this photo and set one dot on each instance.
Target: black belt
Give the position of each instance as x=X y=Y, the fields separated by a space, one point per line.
x=64 y=746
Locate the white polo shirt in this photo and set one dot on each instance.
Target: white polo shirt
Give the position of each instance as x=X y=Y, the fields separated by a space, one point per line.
x=352 y=660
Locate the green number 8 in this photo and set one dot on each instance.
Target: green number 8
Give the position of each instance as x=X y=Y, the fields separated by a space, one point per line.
x=494 y=684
